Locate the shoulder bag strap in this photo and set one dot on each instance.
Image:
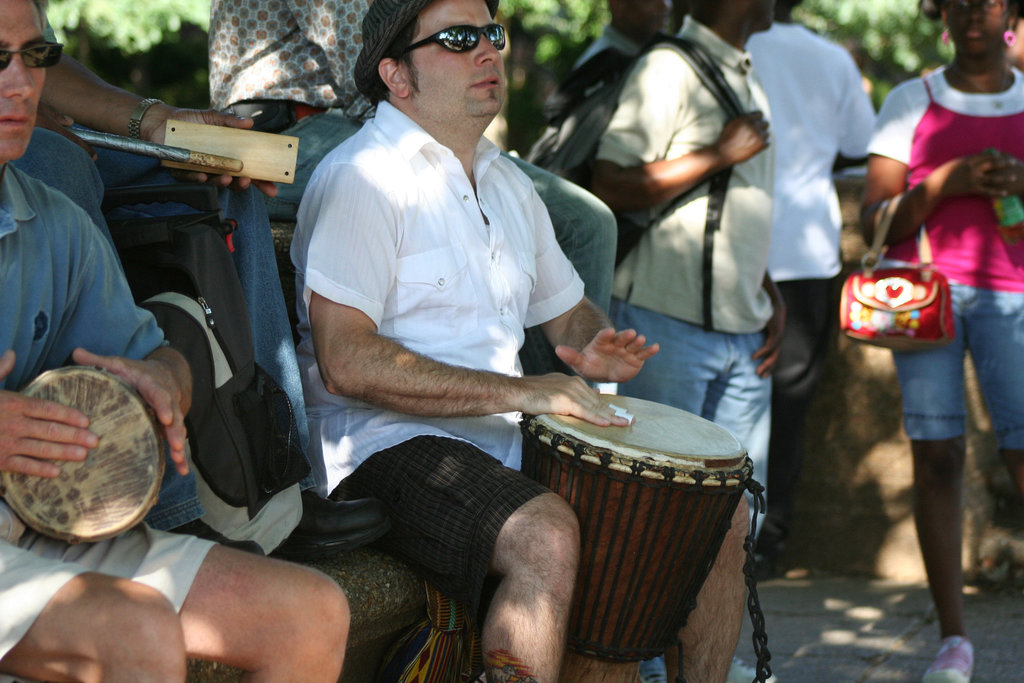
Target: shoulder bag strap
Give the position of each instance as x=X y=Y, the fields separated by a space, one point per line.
x=713 y=79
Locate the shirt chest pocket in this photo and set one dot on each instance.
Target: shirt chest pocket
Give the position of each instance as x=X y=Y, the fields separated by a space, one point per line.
x=435 y=295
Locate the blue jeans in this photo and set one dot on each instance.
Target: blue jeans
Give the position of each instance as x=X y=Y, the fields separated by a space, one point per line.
x=990 y=325
x=709 y=374
x=61 y=164
x=584 y=227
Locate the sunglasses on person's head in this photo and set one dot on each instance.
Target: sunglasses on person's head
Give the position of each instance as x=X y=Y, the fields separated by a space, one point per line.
x=464 y=38
x=36 y=57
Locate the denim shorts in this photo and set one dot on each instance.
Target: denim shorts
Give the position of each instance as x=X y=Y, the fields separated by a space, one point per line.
x=990 y=325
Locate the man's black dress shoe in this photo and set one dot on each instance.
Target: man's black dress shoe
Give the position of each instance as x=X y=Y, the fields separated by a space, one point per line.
x=332 y=526
x=198 y=527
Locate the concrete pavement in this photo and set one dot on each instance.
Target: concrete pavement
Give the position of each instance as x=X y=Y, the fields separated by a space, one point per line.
x=824 y=629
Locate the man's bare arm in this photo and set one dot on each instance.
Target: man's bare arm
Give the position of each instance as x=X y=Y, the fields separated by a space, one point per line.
x=646 y=185
x=585 y=340
x=357 y=362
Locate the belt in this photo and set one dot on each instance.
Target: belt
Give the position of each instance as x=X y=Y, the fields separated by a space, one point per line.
x=272 y=116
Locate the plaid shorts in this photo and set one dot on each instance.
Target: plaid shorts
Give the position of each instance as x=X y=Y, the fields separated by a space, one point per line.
x=447 y=500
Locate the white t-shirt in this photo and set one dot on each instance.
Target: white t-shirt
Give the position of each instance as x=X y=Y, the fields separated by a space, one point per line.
x=818 y=109
x=390 y=225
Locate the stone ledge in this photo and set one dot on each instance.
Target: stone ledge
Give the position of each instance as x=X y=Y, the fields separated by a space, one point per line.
x=385 y=596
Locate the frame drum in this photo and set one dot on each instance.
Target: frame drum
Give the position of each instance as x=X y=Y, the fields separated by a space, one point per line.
x=116 y=484
x=654 y=501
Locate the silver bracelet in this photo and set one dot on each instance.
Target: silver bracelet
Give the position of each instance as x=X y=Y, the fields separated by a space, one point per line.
x=135 y=118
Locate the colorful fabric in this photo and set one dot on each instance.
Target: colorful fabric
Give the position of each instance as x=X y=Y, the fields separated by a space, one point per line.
x=443 y=648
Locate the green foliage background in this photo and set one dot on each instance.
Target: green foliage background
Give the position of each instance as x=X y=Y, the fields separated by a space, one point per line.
x=158 y=48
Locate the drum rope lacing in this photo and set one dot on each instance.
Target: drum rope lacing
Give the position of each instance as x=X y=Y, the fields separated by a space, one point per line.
x=759 y=636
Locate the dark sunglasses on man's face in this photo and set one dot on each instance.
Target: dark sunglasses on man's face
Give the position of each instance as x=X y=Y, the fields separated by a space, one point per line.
x=464 y=38
x=36 y=57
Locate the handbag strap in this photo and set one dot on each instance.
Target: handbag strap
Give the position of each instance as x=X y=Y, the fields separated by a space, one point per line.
x=883 y=221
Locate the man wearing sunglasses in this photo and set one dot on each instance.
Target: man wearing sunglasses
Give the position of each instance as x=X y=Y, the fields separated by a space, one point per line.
x=421 y=253
x=134 y=607
x=289 y=65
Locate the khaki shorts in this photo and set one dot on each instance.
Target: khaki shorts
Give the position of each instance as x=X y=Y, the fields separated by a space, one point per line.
x=33 y=568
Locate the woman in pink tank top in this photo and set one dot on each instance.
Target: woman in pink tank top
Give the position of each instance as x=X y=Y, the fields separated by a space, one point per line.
x=951 y=143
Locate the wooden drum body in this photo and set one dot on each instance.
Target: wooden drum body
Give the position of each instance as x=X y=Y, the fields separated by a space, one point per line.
x=654 y=501
x=116 y=484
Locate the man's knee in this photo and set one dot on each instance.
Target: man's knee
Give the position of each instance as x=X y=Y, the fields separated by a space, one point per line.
x=545 y=531
x=105 y=629
x=143 y=634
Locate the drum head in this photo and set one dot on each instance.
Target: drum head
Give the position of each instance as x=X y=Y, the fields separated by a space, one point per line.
x=117 y=483
x=659 y=434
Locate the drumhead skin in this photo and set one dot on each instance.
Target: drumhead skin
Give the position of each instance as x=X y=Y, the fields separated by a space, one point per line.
x=659 y=434
x=116 y=484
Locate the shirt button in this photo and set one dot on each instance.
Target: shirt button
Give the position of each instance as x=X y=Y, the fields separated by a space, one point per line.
x=440 y=282
x=465 y=197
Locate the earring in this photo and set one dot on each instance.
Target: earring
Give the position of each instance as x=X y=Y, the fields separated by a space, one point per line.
x=945 y=37
x=1010 y=38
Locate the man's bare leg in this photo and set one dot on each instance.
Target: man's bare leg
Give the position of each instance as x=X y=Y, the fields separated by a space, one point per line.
x=536 y=555
x=712 y=630
x=100 y=628
x=277 y=620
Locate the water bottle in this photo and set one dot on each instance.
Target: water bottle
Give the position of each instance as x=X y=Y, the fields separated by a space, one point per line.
x=1009 y=213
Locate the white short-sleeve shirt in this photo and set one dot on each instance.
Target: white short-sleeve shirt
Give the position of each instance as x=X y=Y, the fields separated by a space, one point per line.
x=391 y=225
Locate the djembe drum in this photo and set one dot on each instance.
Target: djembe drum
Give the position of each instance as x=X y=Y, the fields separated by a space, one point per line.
x=654 y=502
x=116 y=484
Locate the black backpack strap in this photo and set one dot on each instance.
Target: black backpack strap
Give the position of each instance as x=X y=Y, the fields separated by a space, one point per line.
x=713 y=79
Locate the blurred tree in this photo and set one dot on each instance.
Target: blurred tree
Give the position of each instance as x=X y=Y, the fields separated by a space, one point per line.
x=157 y=49
x=890 y=39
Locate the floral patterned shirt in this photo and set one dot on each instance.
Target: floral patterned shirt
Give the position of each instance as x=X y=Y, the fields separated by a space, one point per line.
x=298 y=50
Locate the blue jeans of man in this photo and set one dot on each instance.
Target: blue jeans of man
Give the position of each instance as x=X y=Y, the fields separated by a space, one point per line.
x=709 y=374
x=66 y=167
x=584 y=227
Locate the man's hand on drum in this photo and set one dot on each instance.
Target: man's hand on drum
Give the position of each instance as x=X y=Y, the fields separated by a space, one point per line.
x=610 y=356
x=164 y=381
x=34 y=432
x=559 y=394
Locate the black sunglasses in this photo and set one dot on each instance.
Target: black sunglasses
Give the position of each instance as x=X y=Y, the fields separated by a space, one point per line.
x=464 y=38
x=35 y=57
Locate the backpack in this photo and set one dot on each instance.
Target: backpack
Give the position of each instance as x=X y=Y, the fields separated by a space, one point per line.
x=578 y=113
x=242 y=434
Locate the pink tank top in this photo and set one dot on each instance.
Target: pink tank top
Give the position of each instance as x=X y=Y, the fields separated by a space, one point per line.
x=963 y=231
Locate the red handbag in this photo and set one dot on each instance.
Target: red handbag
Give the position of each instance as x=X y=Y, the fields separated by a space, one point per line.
x=908 y=308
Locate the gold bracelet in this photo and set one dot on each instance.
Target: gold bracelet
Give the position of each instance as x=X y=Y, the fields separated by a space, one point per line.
x=135 y=118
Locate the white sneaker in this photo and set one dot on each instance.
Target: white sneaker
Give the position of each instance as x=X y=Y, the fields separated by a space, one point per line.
x=954 y=662
x=741 y=673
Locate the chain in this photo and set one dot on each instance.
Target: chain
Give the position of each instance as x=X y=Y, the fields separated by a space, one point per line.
x=760 y=637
